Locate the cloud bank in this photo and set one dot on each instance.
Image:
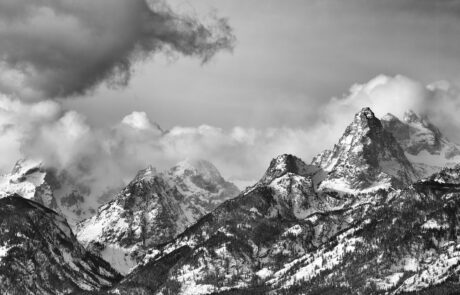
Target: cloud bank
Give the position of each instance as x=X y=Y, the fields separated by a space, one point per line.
x=62 y=48
x=105 y=157
x=439 y=101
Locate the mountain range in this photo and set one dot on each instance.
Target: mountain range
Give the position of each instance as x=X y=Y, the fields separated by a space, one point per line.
x=153 y=209
x=375 y=214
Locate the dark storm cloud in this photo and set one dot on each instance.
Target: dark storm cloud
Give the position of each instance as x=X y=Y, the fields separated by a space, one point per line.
x=60 y=48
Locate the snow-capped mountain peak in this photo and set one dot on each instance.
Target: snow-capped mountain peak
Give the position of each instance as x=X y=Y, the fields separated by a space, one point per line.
x=366 y=157
x=196 y=167
x=424 y=144
x=28 y=179
x=287 y=163
x=152 y=209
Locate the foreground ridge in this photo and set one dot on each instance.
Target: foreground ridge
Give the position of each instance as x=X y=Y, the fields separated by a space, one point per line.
x=40 y=255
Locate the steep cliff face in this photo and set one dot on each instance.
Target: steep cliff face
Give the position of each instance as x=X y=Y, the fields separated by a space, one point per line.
x=153 y=209
x=367 y=157
x=40 y=255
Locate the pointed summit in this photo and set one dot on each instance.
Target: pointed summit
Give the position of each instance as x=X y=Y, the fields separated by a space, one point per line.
x=366 y=157
x=365 y=122
x=287 y=163
x=366 y=113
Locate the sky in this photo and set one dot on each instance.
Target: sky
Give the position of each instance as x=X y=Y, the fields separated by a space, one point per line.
x=290 y=57
x=83 y=84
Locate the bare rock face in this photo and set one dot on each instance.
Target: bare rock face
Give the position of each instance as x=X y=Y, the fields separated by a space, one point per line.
x=367 y=157
x=40 y=255
x=153 y=209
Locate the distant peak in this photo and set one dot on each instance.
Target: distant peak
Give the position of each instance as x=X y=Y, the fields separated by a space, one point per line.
x=195 y=164
x=411 y=117
x=197 y=167
x=389 y=117
x=366 y=112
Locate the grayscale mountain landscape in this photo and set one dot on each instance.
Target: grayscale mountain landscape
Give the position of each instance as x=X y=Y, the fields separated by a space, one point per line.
x=163 y=147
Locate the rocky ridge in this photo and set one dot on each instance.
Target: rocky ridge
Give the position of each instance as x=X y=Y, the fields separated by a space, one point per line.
x=152 y=209
x=424 y=144
x=39 y=254
x=367 y=157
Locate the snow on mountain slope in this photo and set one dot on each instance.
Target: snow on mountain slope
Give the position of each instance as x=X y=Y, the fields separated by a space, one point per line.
x=246 y=239
x=40 y=255
x=407 y=242
x=75 y=199
x=202 y=183
x=29 y=180
x=366 y=158
x=425 y=146
x=297 y=231
x=153 y=209
x=384 y=242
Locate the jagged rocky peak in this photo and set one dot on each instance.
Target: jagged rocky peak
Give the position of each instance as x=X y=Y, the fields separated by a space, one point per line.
x=365 y=123
x=152 y=209
x=242 y=236
x=202 y=183
x=56 y=189
x=366 y=157
x=40 y=255
x=195 y=167
x=424 y=144
x=287 y=163
x=252 y=245
x=415 y=133
x=30 y=180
